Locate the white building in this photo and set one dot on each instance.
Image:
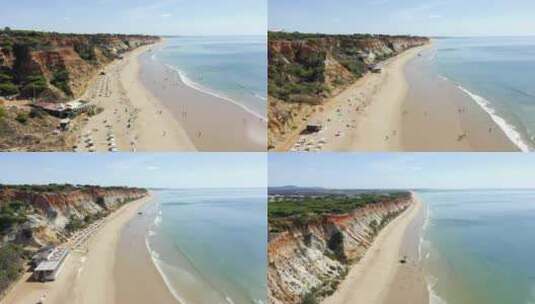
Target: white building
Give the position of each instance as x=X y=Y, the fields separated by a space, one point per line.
x=49 y=269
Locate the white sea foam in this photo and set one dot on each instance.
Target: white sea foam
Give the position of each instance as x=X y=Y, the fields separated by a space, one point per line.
x=433 y=297
x=155 y=260
x=443 y=77
x=229 y=300
x=421 y=240
x=264 y=98
x=196 y=86
x=510 y=131
x=157 y=220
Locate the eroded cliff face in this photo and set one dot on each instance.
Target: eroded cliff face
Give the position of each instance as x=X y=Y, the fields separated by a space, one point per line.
x=54 y=66
x=313 y=258
x=306 y=69
x=40 y=216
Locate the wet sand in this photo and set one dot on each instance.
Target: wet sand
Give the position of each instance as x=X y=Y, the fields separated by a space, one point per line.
x=437 y=116
x=212 y=123
x=134 y=265
x=409 y=284
x=379 y=277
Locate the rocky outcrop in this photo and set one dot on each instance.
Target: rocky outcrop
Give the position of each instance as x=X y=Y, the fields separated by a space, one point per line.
x=312 y=258
x=55 y=66
x=39 y=215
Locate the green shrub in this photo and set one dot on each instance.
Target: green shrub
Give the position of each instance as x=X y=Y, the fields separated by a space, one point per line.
x=10 y=215
x=336 y=245
x=35 y=84
x=309 y=298
x=85 y=51
x=7 y=89
x=22 y=118
x=11 y=265
x=5 y=76
x=60 y=80
x=74 y=224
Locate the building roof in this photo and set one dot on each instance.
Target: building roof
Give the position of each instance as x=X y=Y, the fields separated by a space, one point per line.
x=47 y=266
x=53 y=261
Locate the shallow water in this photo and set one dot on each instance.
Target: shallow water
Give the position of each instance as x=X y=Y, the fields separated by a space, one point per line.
x=233 y=67
x=478 y=246
x=499 y=74
x=210 y=245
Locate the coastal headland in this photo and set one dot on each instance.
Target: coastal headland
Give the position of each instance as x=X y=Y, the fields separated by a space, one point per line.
x=104 y=92
x=338 y=246
x=89 y=235
x=53 y=84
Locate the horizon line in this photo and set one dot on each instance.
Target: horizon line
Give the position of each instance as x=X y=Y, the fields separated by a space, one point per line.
x=275 y=30
x=124 y=33
x=404 y=188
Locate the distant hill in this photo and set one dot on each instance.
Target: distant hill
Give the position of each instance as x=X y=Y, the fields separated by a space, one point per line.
x=296 y=190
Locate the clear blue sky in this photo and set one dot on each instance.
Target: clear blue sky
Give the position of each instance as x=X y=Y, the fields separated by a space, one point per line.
x=403 y=170
x=178 y=170
x=417 y=17
x=160 y=17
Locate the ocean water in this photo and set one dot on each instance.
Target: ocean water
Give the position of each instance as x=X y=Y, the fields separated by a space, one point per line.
x=478 y=246
x=210 y=245
x=498 y=73
x=233 y=67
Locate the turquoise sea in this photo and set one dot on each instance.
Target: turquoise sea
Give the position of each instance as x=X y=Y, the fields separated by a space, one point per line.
x=478 y=246
x=210 y=245
x=498 y=73
x=230 y=67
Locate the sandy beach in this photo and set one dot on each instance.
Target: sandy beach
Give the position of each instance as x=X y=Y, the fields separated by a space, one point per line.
x=88 y=274
x=132 y=118
x=398 y=110
x=212 y=123
x=379 y=277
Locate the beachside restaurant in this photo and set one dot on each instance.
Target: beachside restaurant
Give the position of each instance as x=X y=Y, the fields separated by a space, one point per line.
x=50 y=267
x=65 y=110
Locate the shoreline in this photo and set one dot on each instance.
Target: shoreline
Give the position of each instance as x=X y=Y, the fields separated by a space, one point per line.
x=212 y=123
x=85 y=276
x=410 y=284
x=133 y=119
x=135 y=265
x=402 y=108
x=439 y=116
x=379 y=277
x=205 y=90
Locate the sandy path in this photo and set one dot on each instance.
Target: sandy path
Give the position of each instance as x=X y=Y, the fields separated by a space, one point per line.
x=370 y=280
x=87 y=276
x=132 y=118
